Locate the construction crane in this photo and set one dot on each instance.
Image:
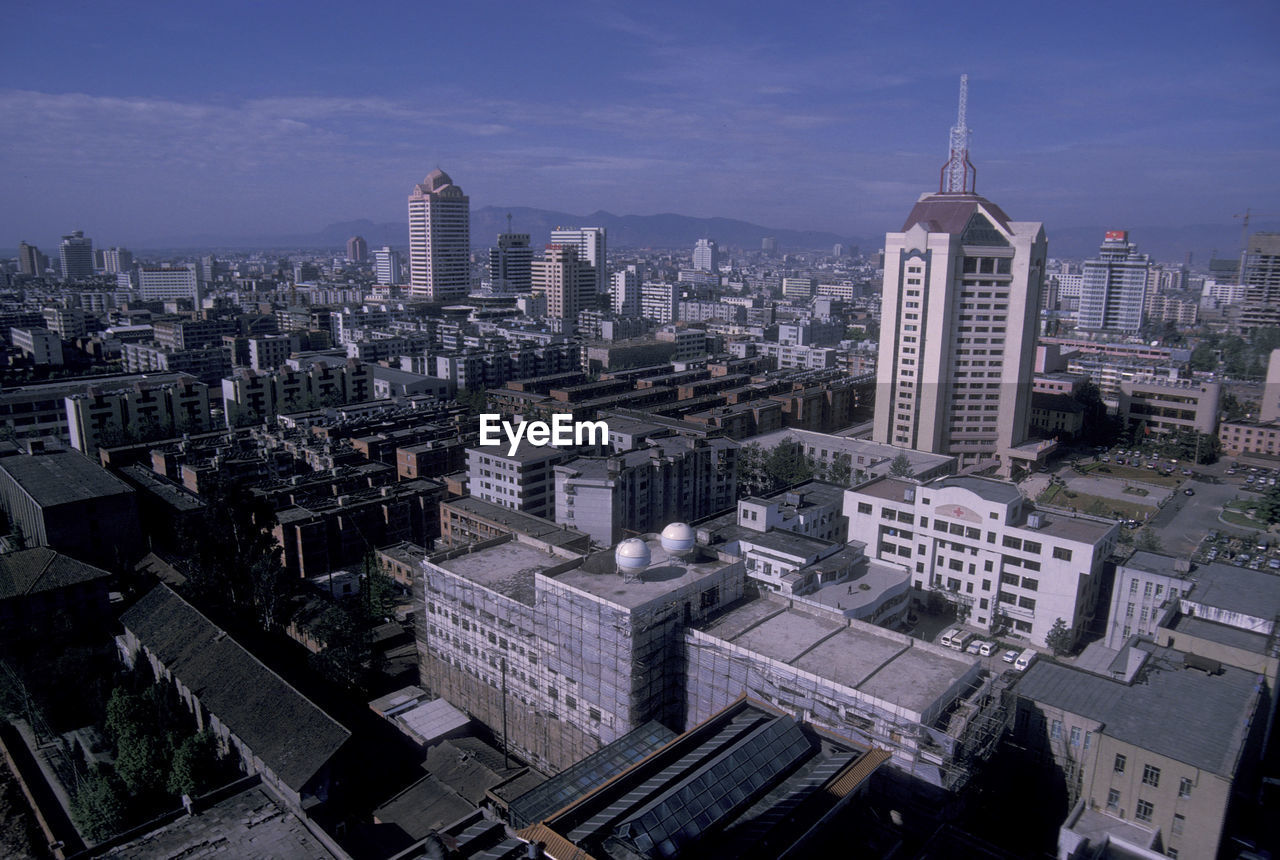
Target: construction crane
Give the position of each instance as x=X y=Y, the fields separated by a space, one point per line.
x=1244 y=236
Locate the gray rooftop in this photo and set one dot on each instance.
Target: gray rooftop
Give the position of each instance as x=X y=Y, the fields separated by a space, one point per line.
x=62 y=478
x=598 y=575
x=1236 y=589
x=31 y=571
x=1000 y=492
x=518 y=521
x=1223 y=634
x=507 y=568
x=1171 y=710
x=890 y=666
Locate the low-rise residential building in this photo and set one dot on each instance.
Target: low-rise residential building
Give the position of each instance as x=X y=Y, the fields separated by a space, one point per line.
x=980 y=544
x=471 y=520
x=41 y=346
x=523 y=480
x=673 y=479
x=1056 y=416
x=251 y=397
x=1244 y=436
x=268 y=725
x=1168 y=405
x=109 y=416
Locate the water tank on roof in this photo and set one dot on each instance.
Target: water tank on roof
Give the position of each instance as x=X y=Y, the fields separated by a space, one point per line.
x=677 y=538
x=632 y=556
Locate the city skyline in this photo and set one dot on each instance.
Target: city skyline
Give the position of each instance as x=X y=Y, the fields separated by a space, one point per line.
x=287 y=121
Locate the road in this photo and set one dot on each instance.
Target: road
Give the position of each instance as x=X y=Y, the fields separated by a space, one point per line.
x=1185 y=520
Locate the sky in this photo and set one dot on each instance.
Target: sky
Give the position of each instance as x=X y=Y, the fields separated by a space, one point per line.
x=140 y=122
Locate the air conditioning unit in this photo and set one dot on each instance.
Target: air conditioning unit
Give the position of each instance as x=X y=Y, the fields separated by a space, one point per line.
x=909 y=494
x=1035 y=520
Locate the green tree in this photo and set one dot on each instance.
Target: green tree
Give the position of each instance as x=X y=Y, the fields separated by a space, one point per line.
x=1148 y=540
x=752 y=478
x=1059 y=638
x=901 y=467
x=1204 y=357
x=788 y=464
x=475 y=401
x=196 y=766
x=839 y=469
x=100 y=805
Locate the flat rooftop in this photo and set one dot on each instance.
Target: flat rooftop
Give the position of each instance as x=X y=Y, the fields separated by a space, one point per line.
x=518 y=521
x=1223 y=634
x=62 y=478
x=877 y=576
x=999 y=492
x=598 y=575
x=507 y=568
x=880 y=663
x=251 y=823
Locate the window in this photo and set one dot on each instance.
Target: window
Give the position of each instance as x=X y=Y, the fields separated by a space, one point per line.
x=1030 y=584
x=1179 y=822
x=986 y=565
x=1151 y=776
x=864 y=508
x=1031 y=547
x=1088 y=739
x=1184 y=787
x=1144 y=810
x=1027 y=603
x=1061 y=554
x=1133 y=586
x=1113 y=801
x=1075 y=736
x=1055 y=731
x=1120 y=763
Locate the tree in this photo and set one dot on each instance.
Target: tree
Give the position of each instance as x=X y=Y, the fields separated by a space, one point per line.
x=752 y=480
x=1204 y=357
x=100 y=804
x=197 y=767
x=901 y=467
x=1059 y=638
x=838 y=470
x=788 y=464
x=1148 y=541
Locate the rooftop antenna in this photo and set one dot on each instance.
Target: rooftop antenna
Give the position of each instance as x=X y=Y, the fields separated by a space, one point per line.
x=959 y=176
x=508 y=222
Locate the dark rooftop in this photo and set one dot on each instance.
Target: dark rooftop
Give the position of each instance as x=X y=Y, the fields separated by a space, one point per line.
x=1170 y=709
x=62 y=478
x=291 y=735
x=30 y=571
x=950 y=213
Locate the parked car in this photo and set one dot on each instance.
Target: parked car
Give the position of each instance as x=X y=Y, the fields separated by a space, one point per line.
x=975 y=646
x=1188 y=492
x=1009 y=656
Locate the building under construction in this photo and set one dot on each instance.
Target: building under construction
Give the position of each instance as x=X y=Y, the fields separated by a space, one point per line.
x=560 y=653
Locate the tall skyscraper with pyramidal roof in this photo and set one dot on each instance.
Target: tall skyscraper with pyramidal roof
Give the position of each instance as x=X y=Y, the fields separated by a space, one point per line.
x=959 y=319
x=439 y=239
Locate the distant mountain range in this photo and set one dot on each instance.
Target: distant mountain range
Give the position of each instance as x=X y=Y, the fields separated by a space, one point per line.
x=1165 y=244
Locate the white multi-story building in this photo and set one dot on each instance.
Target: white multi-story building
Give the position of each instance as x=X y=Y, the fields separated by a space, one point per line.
x=523 y=481
x=117 y=260
x=1114 y=290
x=439 y=239
x=39 y=344
x=386 y=266
x=591 y=243
x=659 y=301
x=161 y=283
x=982 y=545
x=626 y=292
x=706 y=256
x=566 y=281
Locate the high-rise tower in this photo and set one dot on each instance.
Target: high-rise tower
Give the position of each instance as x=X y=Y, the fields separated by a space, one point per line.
x=509 y=264
x=706 y=256
x=958 y=321
x=1113 y=288
x=439 y=239
x=591 y=243
x=566 y=281
x=357 y=249
x=76 y=253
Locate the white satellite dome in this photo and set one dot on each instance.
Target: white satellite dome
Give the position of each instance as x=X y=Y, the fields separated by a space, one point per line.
x=632 y=554
x=677 y=537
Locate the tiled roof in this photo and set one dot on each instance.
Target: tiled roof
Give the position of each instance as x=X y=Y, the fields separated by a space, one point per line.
x=291 y=735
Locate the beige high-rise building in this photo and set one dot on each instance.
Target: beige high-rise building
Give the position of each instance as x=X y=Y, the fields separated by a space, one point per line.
x=959 y=314
x=439 y=239
x=568 y=282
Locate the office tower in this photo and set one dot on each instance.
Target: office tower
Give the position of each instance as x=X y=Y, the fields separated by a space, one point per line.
x=510 y=263
x=769 y=244
x=156 y=283
x=1261 y=273
x=386 y=266
x=591 y=245
x=962 y=284
x=566 y=281
x=117 y=260
x=706 y=256
x=76 y=253
x=439 y=239
x=1113 y=287
x=357 y=249
x=29 y=262
x=625 y=292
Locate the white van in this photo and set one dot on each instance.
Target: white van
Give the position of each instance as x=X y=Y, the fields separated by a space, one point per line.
x=957 y=639
x=948 y=637
x=1025 y=659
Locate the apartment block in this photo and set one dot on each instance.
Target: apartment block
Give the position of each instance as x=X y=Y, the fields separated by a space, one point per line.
x=524 y=480
x=106 y=416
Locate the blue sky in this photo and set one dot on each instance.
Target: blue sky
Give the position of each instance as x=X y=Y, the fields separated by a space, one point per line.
x=143 y=121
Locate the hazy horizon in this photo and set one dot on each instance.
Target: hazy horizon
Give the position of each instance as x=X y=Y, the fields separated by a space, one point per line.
x=141 y=124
